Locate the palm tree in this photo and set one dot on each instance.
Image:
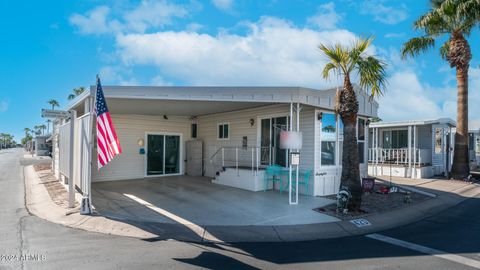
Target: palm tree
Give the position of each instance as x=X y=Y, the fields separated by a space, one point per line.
x=48 y=125
x=42 y=127
x=54 y=103
x=445 y=18
x=27 y=131
x=347 y=61
x=37 y=129
x=76 y=92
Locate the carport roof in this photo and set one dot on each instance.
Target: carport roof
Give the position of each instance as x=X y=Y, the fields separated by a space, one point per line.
x=200 y=100
x=418 y=122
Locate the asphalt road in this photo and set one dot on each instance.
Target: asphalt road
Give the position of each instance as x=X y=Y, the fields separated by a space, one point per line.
x=28 y=242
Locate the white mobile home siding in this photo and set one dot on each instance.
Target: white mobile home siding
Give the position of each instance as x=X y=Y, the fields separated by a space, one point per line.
x=130 y=128
x=239 y=124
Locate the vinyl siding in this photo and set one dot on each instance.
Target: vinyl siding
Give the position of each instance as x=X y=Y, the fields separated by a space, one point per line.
x=239 y=126
x=130 y=128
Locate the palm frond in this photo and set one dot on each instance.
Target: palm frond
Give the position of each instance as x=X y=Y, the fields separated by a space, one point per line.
x=336 y=54
x=328 y=68
x=358 y=48
x=373 y=75
x=444 y=49
x=417 y=45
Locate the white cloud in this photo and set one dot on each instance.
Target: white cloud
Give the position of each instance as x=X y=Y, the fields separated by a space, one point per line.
x=394 y=35
x=153 y=14
x=262 y=57
x=326 y=17
x=4 y=104
x=95 y=21
x=408 y=98
x=146 y=15
x=382 y=12
x=225 y=5
x=117 y=75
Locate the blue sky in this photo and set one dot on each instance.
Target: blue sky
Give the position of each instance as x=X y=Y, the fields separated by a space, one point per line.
x=48 y=48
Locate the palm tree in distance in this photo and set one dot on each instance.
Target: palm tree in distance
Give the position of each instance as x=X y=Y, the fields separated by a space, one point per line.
x=76 y=92
x=449 y=18
x=42 y=128
x=53 y=103
x=350 y=61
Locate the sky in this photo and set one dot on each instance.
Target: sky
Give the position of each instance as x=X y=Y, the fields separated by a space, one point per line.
x=47 y=48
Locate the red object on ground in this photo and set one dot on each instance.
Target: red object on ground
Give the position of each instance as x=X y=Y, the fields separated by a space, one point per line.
x=384 y=190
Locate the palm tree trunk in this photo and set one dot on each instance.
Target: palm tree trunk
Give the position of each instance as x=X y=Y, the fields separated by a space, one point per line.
x=460 y=166
x=348 y=110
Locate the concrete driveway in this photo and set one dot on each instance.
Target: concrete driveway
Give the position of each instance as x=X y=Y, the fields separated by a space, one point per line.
x=198 y=201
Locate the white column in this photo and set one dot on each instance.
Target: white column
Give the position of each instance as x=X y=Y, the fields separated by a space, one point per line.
x=414 y=174
x=288 y=159
x=409 y=152
x=376 y=151
x=297 y=150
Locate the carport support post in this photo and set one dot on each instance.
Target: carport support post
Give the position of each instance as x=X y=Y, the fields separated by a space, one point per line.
x=297 y=172
x=409 y=151
x=71 y=191
x=289 y=161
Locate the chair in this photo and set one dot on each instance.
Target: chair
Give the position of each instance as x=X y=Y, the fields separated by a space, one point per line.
x=273 y=173
x=306 y=179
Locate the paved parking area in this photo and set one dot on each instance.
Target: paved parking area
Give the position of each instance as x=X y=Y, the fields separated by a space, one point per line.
x=197 y=200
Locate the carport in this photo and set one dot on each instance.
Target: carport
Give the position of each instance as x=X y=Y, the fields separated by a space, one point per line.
x=195 y=200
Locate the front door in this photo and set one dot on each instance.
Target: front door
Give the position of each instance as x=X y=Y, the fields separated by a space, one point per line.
x=270 y=141
x=163 y=154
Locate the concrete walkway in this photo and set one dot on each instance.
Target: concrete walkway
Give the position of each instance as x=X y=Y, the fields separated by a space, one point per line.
x=449 y=194
x=199 y=201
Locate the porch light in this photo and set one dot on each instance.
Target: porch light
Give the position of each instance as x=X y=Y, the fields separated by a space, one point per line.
x=140 y=142
x=319 y=116
x=252 y=122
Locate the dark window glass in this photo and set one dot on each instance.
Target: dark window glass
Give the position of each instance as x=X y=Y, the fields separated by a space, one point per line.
x=361 y=152
x=328 y=153
x=220 y=131
x=361 y=129
x=225 y=131
x=194 y=130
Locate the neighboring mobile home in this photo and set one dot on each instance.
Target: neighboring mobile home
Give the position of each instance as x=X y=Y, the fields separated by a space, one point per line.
x=416 y=149
x=42 y=147
x=229 y=134
x=474 y=146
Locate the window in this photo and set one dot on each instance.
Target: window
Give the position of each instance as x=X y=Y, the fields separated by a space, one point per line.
x=329 y=139
x=223 y=132
x=395 y=139
x=471 y=145
x=194 y=131
x=361 y=140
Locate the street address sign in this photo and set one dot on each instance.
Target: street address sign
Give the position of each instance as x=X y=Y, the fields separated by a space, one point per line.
x=46 y=113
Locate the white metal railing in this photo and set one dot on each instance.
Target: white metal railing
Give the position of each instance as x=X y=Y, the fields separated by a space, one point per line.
x=237 y=157
x=399 y=156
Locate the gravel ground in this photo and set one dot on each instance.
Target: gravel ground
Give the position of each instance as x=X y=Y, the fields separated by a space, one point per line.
x=57 y=191
x=374 y=203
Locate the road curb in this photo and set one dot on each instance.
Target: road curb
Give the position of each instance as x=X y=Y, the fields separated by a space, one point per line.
x=38 y=202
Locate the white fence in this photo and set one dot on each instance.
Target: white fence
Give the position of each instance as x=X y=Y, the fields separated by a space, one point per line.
x=64 y=149
x=82 y=150
x=81 y=153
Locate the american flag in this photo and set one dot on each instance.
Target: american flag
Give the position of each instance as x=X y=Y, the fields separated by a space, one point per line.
x=108 y=144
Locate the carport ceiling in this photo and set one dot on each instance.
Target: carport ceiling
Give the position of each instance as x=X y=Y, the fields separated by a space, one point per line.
x=176 y=107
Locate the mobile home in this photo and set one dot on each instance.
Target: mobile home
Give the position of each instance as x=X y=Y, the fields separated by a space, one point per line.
x=228 y=134
x=416 y=149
